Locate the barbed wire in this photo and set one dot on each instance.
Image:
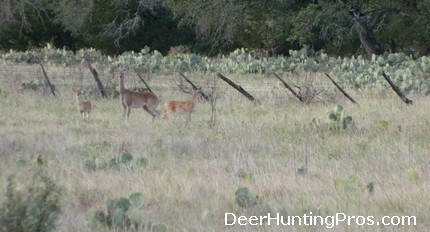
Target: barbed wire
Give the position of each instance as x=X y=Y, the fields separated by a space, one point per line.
x=63 y=77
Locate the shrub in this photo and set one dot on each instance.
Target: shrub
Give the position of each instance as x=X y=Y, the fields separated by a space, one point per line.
x=42 y=86
x=245 y=199
x=35 y=209
x=339 y=120
x=350 y=183
x=126 y=160
x=120 y=214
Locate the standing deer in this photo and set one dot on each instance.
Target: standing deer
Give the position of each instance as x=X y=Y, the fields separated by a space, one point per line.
x=136 y=99
x=173 y=106
x=84 y=107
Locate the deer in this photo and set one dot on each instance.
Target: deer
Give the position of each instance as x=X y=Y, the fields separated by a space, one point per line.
x=84 y=107
x=136 y=99
x=173 y=106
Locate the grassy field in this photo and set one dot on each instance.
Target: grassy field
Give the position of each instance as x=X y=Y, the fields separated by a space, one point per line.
x=377 y=166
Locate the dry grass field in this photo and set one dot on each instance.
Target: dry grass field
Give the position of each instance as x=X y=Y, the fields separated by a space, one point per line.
x=188 y=173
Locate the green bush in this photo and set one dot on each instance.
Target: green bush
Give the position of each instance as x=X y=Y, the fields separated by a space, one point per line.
x=32 y=85
x=350 y=183
x=245 y=199
x=126 y=160
x=35 y=209
x=120 y=214
x=339 y=120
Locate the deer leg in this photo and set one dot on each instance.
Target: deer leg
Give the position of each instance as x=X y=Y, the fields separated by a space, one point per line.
x=166 y=116
x=154 y=112
x=149 y=112
x=124 y=108
x=128 y=112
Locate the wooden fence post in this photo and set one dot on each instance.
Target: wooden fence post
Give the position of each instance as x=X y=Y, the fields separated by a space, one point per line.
x=47 y=80
x=194 y=86
x=144 y=82
x=96 y=76
x=341 y=90
x=396 y=89
x=237 y=87
x=289 y=87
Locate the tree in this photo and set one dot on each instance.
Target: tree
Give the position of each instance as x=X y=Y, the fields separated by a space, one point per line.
x=371 y=21
x=116 y=26
x=215 y=20
x=341 y=27
x=25 y=24
x=242 y=23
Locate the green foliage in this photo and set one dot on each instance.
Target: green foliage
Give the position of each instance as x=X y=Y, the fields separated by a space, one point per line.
x=142 y=161
x=118 y=26
x=370 y=187
x=136 y=199
x=339 y=120
x=32 y=85
x=350 y=183
x=126 y=157
x=412 y=175
x=383 y=123
x=245 y=199
x=324 y=23
x=302 y=171
x=34 y=209
x=90 y=165
x=120 y=214
x=52 y=56
x=356 y=72
x=125 y=160
x=244 y=175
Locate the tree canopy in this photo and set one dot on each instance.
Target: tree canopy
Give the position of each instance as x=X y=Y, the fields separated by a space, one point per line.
x=341 y=27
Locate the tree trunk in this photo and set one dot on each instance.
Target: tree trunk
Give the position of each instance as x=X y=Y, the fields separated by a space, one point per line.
x=367 y=37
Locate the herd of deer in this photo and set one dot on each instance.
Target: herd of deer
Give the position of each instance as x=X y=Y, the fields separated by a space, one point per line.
x=140 y=99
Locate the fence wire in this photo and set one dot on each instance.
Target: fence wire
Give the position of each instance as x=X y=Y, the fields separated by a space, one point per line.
x=14 y=75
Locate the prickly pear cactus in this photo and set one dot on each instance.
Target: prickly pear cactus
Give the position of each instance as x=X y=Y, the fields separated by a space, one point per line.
x=339 y=121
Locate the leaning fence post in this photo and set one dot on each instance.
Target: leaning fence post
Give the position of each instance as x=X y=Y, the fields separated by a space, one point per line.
x=396 y=89
x=47 y=80
x=289 y=87
x=341 y=90
x=96 y=76
x=237 y=87
x=144 y=82
x=194 y=86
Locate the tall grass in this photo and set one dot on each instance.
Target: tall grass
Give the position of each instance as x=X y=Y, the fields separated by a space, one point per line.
x=193 y=170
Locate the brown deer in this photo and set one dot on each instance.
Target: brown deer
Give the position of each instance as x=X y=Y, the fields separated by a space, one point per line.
x=84 y=107
x=136 y=99
x=173 y=106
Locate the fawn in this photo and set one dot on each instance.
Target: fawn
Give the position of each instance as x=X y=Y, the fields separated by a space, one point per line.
x=174 y=106
x=84 y=107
